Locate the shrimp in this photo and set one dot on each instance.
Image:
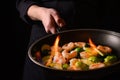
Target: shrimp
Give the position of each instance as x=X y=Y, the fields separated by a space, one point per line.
x=80 y=44
x=96 y=65
x=73 y=61
x=104 y=49
x=85 y=54
x=58 y=58
x=72 y=64
x=72 y=54
x=68 y=55
x=68 y=46
x=65 y=54
x=88 y=53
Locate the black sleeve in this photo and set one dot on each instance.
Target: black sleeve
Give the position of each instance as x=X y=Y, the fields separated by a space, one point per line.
x=22 y=7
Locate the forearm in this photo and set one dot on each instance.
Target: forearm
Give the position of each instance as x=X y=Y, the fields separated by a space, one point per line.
x=36 y=12
x=49 y=17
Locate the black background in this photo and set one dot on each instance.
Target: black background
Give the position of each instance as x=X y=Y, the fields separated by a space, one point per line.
x=14 y=40
x=22 y=32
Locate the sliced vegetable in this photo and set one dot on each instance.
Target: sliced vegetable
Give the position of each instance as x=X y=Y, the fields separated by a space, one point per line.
x=45 y=47
x=45 y=59
x=99 y=52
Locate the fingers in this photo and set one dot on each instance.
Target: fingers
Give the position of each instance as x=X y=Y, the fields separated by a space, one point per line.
x=51 y=20
x=50 y=30
x=55 y=21
x=58 y=20
x=50 y=25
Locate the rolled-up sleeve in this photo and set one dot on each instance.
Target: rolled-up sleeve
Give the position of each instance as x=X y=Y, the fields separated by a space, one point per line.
x=22 y=7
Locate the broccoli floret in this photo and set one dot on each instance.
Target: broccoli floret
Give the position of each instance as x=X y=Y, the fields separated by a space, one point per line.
x=110 y=59
x=95 y=59
x=82 y=65
x=78 y=49
x=65 y=66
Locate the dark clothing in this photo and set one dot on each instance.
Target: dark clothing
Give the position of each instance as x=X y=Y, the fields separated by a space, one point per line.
x=76 y=13
x=82 y=12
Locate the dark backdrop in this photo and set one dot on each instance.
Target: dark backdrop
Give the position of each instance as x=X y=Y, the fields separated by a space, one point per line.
x=21 y=32
x=14 y=39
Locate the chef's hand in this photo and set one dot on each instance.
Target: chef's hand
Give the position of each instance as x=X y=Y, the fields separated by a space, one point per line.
x=49 y=17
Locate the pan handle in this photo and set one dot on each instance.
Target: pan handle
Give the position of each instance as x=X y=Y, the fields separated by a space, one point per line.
x=58 y=29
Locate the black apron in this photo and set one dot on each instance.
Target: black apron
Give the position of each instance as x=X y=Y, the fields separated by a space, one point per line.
x=79 y=14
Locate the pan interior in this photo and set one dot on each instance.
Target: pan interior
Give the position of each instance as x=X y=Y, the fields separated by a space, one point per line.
x=102 y=37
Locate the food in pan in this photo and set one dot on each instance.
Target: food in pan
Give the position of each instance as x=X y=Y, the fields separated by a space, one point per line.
x=77 y=55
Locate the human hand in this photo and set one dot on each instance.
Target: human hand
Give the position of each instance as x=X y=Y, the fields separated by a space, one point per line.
x=50 y=17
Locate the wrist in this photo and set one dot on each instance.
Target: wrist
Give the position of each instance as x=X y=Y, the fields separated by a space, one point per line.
x=34 y=12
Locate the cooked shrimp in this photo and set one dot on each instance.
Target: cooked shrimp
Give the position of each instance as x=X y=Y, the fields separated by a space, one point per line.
x=88 y=53
x=73 y=61
x=96 y=65
x=85 y=54
x=104 y=49
x=58 y=58
x=72 y=54
x=68 y=46
x=72 y=64
x=68 y=55
x=80 y=44
x=65 y=54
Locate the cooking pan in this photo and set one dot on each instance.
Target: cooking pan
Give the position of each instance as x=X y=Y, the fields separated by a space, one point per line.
x=99 y=36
